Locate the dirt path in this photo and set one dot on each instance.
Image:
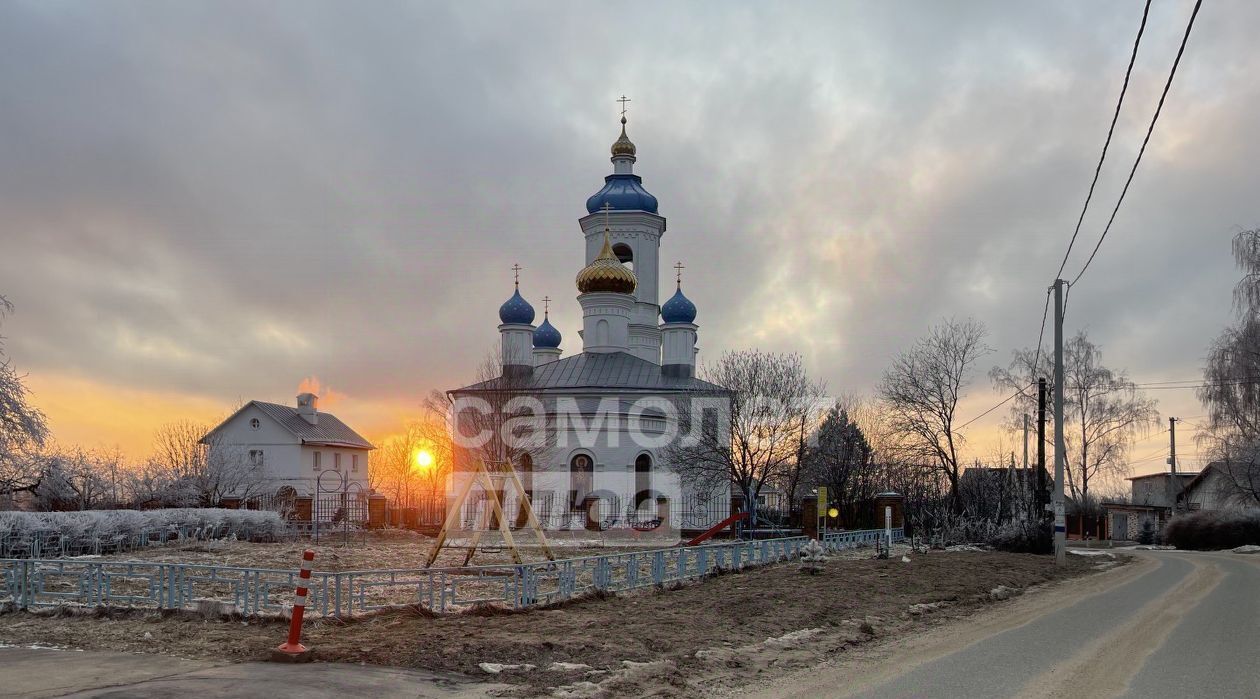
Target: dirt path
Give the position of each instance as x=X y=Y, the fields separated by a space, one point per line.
x=700 y=638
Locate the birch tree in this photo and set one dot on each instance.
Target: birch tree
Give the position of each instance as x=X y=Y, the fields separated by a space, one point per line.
x=1231 y=384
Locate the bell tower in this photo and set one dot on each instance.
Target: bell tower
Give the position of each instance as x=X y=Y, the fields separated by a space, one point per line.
x=627 y=213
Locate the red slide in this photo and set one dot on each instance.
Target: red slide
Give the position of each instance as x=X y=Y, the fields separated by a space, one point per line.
x=718 y=527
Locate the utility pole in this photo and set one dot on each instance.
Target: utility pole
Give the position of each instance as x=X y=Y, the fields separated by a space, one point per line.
x=1042 y=500
x=1060 y=452
x=1172 y=464
x=1025 y=464
x=1024 y=481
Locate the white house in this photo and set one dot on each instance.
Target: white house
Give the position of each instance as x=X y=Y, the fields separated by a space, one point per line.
x=292 y=447
x=608 y=410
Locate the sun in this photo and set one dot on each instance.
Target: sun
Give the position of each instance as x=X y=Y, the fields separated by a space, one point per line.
x=423 y=458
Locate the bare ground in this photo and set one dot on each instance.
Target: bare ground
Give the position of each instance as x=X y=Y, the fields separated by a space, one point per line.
x=695 y=639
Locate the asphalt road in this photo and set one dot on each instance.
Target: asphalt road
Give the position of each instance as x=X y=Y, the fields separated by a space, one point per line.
x=1174 y=624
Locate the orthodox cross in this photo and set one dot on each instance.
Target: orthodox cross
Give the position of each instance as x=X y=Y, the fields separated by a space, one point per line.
x=623 y=101
x=516 y=272
x=546 y=305
x=680 y=268
x=606 y=207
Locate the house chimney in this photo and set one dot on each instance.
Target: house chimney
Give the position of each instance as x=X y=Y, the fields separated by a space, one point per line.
x=306 y=404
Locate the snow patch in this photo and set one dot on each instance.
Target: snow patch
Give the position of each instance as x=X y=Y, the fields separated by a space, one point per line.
x=496 y=668
x=1091 y=552
x=1249 y=548
x=567 y=667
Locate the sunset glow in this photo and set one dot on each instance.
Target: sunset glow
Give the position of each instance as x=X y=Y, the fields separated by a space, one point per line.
x=424 y=458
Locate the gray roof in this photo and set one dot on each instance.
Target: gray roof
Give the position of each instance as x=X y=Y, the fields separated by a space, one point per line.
x=597 y=371
x=329 y=431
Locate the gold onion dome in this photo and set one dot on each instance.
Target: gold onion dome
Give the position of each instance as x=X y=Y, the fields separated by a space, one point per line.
x=623 y=145
x=605 y=273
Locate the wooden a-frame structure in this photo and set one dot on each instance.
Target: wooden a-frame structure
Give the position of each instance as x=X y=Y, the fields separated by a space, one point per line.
x=492 y=483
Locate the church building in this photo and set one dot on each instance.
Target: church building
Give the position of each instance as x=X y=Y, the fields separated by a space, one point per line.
x=607 y=415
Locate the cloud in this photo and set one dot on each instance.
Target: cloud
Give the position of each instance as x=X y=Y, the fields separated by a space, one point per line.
x=219 y=200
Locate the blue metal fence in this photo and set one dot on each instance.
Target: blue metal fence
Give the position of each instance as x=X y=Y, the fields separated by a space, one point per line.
x=35 y=583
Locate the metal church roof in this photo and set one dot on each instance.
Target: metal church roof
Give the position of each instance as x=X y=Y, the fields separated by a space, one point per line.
x=604 y=371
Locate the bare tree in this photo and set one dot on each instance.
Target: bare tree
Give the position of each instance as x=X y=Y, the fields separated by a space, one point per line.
x=1231 y=384
x=415 y=461
x=921 y=391
x=1103 y=411
x=23 y=428
x=496 y=405
x=772 y=406
x=201 y=473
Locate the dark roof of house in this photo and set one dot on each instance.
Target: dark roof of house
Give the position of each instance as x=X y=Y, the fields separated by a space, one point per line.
x=329 y=429
x=589 y=370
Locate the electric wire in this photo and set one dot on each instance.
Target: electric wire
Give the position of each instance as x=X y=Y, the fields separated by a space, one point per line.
x=1110 y=131
x=1149 y=130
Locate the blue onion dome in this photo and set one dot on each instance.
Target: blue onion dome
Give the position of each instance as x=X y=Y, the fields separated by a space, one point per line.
x=546 y=335
x=622 y=193
x=678 y=309
x=516 y=310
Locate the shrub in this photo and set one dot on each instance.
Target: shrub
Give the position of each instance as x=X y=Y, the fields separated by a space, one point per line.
x=1214 y=530
x=1022 y=536
x=72 y=533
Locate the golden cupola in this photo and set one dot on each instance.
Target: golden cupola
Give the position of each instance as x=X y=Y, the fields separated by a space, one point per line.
x=623 y=145
x=606 y=273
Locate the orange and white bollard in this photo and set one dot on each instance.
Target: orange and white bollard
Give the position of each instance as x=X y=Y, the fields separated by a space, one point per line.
x=292 y=650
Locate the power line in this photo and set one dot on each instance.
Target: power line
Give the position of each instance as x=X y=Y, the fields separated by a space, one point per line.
x=1110 y=130
x=1042 y=334
x=1149 y=130
x=1002 y=403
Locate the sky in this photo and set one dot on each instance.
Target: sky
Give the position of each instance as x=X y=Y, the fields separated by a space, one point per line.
x=205 y=203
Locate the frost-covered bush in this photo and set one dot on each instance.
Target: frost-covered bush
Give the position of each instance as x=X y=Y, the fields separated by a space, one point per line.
x=91 y=531
x=1022 y=536
x=1213 y=530
x=813 y=556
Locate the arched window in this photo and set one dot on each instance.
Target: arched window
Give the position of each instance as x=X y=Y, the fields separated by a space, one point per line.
x=601 y=332
x=642 y=479
x=624 y=254
x=581 y=478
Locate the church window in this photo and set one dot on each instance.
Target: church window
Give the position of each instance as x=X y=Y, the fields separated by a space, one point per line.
x=256 y=458
x=315 y=461
x=336 y=461
x=254 y=424
x=624 y=254
x=354 y=463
